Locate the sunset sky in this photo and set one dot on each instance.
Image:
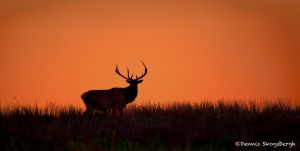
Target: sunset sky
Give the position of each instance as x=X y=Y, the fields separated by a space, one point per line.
x=54 y=50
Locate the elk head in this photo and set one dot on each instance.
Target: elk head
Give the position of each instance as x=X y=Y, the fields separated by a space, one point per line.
x=129 y=79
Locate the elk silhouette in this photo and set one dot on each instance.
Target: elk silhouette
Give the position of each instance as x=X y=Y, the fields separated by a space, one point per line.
x=114 y=99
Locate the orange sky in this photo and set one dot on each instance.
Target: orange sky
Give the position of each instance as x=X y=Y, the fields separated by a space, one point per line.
x=53 y=51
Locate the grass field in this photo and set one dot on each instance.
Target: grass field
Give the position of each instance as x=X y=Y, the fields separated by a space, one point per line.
x=177 y=126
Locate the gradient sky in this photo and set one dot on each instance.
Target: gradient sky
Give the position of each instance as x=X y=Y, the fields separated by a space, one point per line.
x=53 y=51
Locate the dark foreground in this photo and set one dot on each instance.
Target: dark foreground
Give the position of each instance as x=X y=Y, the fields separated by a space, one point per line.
x=152 y=127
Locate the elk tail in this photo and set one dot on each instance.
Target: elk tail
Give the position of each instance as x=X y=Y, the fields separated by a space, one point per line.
x=84 y=97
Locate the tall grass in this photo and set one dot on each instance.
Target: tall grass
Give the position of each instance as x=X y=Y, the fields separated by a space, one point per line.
x=176 y=126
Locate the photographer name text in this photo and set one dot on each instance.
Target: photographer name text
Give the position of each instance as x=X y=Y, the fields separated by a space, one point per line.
x=265 y=144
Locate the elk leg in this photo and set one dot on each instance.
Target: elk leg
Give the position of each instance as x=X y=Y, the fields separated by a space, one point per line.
x=89 y=110
x=121 y=112
x=114 y=111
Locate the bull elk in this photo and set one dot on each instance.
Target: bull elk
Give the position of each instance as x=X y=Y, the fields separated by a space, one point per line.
x=114 y=99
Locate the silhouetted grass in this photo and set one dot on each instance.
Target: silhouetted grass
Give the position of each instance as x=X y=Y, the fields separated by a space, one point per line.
x=177 y=126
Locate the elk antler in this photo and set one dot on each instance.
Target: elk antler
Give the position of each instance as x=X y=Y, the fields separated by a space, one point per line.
x=137 y=78
x=118 y=72
x=128 y=74
x=130 y=77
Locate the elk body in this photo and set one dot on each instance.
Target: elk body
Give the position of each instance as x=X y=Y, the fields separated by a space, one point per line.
x=114 y=99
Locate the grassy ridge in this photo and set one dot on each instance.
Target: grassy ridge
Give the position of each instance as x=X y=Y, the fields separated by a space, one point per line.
x=178 y=126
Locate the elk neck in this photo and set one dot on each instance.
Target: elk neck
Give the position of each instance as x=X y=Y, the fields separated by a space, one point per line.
x=131 y=93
